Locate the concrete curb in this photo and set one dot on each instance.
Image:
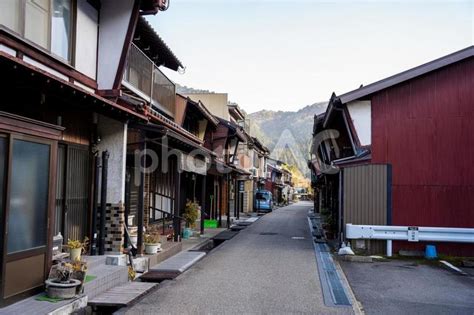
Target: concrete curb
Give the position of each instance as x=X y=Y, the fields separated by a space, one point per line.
x=356 y=305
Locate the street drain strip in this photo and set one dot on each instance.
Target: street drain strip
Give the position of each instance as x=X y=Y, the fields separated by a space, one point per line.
x=268 y=233
x=337 y=291
x=333 y=289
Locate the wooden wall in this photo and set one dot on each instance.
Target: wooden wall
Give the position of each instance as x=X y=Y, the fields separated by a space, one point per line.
x=424 y=128
x=180 y=110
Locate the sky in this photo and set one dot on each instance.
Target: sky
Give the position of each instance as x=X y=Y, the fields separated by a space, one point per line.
x=286 y=54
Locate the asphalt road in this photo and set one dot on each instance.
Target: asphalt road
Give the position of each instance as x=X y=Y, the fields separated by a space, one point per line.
x=405 y=287
x=250 y=274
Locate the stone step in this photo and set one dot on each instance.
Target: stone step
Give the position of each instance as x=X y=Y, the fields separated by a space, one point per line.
x=122 y=295
x=237 y=228
x=168 y=250
x=252 y=219
x=244 y=223
x=107 y=277
x=179 y=262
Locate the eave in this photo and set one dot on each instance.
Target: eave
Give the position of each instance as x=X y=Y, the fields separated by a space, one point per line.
x=148 y=40
x=199 y=106
x=102 y=103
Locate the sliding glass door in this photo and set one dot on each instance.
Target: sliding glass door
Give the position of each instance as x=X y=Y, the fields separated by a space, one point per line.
x=25 y=210
x=3 y=163
x=28 y=204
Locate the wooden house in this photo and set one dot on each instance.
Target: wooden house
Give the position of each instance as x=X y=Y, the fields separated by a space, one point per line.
x=399 y=152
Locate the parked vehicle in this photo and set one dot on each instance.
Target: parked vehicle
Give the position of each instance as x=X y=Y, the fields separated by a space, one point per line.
x=263 y=201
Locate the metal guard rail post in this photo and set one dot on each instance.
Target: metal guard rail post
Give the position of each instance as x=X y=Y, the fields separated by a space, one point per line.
x=409 y=233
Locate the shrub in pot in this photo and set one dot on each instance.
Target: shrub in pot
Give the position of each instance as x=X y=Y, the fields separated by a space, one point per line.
x=79 y=273
x=190 y=215
x=152 y=243
x=76 y=248
x=62 y=285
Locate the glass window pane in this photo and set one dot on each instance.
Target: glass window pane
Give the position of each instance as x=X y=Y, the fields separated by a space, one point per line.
x=10 y=14
x=61 y=28
x=3 y=159
x=37 y=22
x=28 y=196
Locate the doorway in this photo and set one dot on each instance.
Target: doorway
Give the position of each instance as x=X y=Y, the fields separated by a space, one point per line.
x=28 y=152
x=25 y=204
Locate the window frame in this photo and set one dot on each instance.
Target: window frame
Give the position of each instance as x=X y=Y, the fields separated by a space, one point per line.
x=70 y=61
x=12 y=128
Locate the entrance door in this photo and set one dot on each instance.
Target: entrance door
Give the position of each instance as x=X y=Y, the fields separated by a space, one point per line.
x=3 y=169
x=27 y=162
x=72 y=191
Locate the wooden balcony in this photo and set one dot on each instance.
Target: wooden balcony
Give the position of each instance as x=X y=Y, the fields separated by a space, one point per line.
x=143 y=78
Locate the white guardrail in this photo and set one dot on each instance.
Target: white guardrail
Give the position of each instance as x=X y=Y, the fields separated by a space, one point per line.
x=409 y=233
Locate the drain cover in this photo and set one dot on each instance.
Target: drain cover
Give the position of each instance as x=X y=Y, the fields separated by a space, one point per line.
x=268 y=233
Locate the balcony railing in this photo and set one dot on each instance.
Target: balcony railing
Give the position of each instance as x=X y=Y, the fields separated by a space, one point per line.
x=143 y=77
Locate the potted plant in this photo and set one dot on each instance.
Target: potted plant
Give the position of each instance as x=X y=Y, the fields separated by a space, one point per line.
x=79 y=273
x=76 y=247
x=61 y=284
x=330 y=223
x=152 y=243
x=134 y=239
x=190 y=216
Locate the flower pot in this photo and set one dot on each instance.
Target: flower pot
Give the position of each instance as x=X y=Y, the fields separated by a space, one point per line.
x=151 y=249
x=187 y=233
x=75 y=254
x=59 y=290
x=134 y=239
x=130 y=219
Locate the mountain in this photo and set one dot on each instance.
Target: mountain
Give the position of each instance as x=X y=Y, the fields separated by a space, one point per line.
x=287 y=134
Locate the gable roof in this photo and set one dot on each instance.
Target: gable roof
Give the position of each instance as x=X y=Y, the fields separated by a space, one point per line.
x=201 y=108
x=397 y=79
x=154 y=46
x=408 y=74
x=236 y=129
x=235 y=111
x=260 y=145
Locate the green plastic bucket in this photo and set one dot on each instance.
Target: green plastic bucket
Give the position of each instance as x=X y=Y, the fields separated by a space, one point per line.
x=210 y=224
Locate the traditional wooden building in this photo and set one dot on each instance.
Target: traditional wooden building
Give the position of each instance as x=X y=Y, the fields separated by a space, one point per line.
x=225 y=142
x=60 y=64
x=399 y=151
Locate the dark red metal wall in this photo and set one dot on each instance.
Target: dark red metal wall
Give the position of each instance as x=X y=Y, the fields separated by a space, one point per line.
x=425 y=129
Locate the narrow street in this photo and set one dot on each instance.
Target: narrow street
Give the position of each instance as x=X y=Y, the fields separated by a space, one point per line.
x=252 y=273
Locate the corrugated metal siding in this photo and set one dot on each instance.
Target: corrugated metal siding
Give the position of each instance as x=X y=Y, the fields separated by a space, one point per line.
x=424 y=128
x=365 y=198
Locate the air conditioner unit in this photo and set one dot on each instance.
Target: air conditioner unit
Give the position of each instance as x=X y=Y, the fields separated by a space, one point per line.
x=254 y=172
